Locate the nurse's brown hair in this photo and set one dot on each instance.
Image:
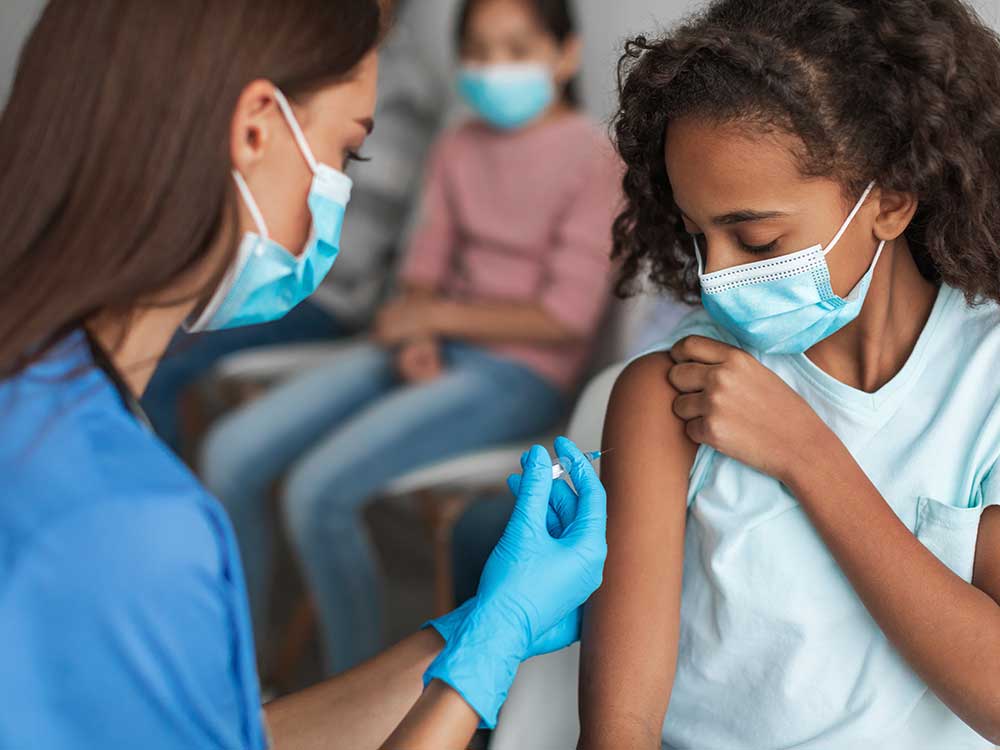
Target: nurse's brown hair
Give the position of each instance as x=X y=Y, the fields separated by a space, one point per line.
x=114 y=145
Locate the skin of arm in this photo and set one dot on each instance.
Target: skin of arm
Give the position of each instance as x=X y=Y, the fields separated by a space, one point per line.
x=414 y=317
x=441 y=720
x=947 y=630
x=361 y=708
x=631 y=624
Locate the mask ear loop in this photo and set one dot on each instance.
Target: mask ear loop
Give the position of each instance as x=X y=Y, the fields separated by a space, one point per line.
x=251 y=204
x=846 y=224
x=293 y=123
x=697 y=254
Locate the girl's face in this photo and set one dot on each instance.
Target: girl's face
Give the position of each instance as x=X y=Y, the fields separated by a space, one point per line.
x=743 y=194
x=336 y=120
x=508 y=31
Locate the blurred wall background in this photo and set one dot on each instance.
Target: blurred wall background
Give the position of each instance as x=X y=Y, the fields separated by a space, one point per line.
x=16 y=19
x=605 y=24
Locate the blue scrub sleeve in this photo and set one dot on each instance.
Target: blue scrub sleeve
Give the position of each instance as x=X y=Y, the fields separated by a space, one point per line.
x=117 y=628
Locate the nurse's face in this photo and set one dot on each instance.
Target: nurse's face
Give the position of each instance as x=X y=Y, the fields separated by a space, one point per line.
x=336 y=121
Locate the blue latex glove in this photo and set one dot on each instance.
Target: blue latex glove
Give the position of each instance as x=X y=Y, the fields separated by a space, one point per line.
x=533 y=584
x=563 y=504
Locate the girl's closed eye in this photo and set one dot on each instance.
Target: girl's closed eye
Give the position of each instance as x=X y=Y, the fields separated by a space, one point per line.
x=770 y=247
x=748 y=247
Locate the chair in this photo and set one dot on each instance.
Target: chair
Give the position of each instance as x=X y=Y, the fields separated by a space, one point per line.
x=541 y=712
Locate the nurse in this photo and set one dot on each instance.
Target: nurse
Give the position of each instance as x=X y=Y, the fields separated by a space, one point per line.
x=181 y=162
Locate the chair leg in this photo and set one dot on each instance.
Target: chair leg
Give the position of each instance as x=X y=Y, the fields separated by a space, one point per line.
x=441 y=513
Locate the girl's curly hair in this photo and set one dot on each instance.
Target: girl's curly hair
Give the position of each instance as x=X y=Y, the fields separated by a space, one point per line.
x=905 y=92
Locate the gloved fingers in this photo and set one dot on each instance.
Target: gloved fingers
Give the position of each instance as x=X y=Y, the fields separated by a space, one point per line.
x=593 y=504
x=535 y=487
x=514 y=484
x=562 y=505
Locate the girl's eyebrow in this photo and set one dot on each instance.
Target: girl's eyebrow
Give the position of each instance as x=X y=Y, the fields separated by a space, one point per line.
x=741 y=217
x=745 y=215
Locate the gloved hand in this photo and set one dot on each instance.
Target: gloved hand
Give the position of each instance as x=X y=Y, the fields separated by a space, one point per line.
x=533 y=584
x=563 y=504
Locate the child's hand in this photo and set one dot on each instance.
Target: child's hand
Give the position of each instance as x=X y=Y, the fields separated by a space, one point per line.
x=419 y=361
x=406 y=319
x=734 y=404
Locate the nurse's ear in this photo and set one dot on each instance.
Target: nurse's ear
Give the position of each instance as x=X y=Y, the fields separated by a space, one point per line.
x=895 y=212
x=254 y=120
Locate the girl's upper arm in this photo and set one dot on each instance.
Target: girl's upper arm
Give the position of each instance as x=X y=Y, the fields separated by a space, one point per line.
x=631 y=624
x=986 y=575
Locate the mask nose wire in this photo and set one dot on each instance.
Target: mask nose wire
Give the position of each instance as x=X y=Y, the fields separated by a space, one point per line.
x=293 y=123
x=846 y=224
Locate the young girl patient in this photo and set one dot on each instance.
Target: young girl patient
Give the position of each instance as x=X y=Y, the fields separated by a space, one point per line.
x=804 y=534
x=504 y=284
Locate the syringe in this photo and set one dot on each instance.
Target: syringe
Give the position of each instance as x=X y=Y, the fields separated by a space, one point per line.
x=562 y=465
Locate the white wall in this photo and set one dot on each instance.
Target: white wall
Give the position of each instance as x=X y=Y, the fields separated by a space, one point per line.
x=990 y=11
x=16 y=19
x=606 y=25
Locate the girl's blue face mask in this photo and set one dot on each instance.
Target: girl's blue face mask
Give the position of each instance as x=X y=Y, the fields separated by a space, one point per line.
x=784 y=305
x=266 y=281
x=507 y=96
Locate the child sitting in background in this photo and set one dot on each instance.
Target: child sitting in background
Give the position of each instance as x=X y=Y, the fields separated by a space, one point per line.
x=504 y=286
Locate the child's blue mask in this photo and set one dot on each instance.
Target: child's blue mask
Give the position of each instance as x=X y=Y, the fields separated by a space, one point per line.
x=266 y=281
x=784 y=305
x=507 y=96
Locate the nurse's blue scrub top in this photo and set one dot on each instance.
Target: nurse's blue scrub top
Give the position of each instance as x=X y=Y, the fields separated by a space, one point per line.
x=123 y=613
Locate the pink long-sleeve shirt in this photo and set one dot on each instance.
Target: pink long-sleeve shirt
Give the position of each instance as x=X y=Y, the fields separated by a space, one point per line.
x=523 y=217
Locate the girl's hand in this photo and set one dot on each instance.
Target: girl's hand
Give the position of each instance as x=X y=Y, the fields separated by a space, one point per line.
x=731 y=402
x=406 y=319
x=419 y=361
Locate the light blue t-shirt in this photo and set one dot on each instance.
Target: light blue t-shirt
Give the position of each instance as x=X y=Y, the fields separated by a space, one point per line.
x=776 y=649
x=123 y=613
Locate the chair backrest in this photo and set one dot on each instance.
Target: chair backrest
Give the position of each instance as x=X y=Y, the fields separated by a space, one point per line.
x=541 y=712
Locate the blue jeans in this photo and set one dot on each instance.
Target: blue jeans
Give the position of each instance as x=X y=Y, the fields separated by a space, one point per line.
x=192 y=356
x=339 y=433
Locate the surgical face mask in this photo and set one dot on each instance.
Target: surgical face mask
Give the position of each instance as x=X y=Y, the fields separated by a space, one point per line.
x=784 y=305
x=507 y=96
x=266 y=280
